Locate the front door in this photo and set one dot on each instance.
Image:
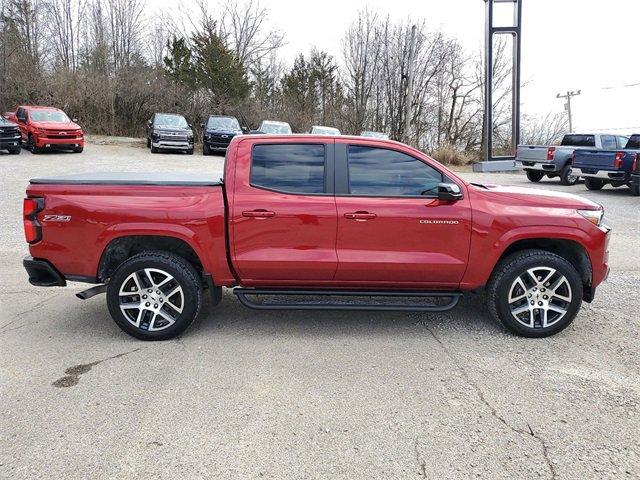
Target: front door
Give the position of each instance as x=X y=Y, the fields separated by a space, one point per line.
x=283 y=215
x=392 y=229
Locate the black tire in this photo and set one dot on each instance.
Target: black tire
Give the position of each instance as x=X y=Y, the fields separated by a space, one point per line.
x=78 y=150
x=148 y=142
x=205 y=149
x=31 y=145
x=154 y=149
x=566 y=177
x=534 y=175
x=503 y=280
x=635 y=189
x=190 y=151
x=184 y=276
x=15 y=151
x=594 y=183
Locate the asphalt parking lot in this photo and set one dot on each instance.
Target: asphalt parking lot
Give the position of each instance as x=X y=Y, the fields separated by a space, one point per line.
x=245 y=394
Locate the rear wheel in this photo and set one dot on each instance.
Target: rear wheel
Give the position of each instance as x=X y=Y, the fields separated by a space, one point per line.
x=534 y=293
x=594 y=183
x=534 y=175
x=635 y=189
x=154 y=295
x=567 y=177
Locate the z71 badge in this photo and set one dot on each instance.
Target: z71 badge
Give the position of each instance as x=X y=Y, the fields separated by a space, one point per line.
x=56 y=218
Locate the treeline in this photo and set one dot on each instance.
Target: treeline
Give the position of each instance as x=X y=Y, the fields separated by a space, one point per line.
x=112 y=63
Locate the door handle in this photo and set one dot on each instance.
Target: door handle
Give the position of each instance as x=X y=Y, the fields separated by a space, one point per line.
x=360 y=216
x=258 y=214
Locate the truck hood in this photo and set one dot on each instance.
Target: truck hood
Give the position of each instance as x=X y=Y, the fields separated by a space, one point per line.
x=534 y=197
x=57 y=125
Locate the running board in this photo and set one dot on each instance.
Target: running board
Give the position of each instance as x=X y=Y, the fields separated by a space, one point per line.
x=242 y=294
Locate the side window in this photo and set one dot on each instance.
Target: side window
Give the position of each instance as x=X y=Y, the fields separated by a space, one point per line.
x=387 y=173
x=622 y=141
x=294 y=168
x=608 y=142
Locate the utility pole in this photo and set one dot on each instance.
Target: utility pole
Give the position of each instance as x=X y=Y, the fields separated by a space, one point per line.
x=567 y=106
x=409 y=92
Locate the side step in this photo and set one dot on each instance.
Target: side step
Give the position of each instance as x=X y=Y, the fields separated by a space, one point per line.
x=242 y=293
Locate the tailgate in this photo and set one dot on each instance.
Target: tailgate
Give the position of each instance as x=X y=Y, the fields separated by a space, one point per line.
x=532 y=153
x=595 y=159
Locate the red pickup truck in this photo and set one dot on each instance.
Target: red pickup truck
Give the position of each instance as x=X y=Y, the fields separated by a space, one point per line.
x=47 y=128
x=315 y=222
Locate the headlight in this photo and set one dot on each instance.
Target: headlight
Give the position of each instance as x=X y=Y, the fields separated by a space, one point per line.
x=594 y=216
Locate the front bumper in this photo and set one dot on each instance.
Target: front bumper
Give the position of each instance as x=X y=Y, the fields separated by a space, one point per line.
x=42 y=273
x=10 y=142
x=60 y=143
x=549 y=167
x=172 y=145
x=613 y=176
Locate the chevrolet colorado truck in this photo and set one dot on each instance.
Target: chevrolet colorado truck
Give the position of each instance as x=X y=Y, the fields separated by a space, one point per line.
x=615 y=167
x=315 y=222
x=10 y=137
x=169 y=131
x=555 y=161
x=47 y=128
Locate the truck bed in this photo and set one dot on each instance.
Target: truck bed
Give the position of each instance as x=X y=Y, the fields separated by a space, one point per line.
x=124 y=178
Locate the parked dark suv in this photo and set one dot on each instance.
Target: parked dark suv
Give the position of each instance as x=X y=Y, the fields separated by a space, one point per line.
x=9 y=136
x=169 y=131
x=218 y=132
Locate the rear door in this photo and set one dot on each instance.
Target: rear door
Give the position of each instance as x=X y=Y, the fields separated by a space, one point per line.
x=392 y=229
x=283 y=215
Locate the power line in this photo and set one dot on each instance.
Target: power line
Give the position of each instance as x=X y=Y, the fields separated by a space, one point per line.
x=622 y=86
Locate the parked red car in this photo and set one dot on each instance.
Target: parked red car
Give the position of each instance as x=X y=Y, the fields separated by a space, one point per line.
x=47 y=128
x=308 y=217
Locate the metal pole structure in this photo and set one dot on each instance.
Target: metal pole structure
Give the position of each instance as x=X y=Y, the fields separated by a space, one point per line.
x=567 y=105
x=490 y=32
x=410 y=77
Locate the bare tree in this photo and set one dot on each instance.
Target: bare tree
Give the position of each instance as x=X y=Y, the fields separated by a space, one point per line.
x=64 y=20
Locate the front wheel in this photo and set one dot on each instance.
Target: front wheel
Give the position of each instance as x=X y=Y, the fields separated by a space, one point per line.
x=31 y=145
x=205 y=149
x=154 y=149
x=594 y=183
x=15 y=151
x=534 y=293
x=154 y=295
x=567 y=177
x=534 y=175
x=78 y=149
x=190 y=151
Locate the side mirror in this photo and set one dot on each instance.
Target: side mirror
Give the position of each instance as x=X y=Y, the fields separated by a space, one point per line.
x=202 y=125
x=190 y=126
x=244 y=129
x=449 y=192
x=74 y=120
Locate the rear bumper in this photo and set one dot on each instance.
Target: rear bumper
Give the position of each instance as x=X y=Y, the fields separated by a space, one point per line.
x=611 y=175
x=550 y=167
x=42 y=273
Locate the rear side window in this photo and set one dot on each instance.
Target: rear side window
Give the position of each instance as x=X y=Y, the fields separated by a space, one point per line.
x=579 y=141
x=294 y=168
x=608 y=142
x=633 y=143
x=387 y=173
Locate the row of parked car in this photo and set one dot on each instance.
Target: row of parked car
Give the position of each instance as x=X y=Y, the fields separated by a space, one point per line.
x=600 y=159
x=170 y=131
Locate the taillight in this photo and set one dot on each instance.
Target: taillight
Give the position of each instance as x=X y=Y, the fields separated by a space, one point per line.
x=617 y=163
x=634 y=165
x=32 y=229
x=550 y=153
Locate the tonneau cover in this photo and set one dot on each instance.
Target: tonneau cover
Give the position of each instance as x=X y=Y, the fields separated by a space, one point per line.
x=123 y=178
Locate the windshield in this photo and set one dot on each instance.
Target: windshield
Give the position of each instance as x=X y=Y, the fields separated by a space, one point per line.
x=380 y=135
x=276 y=128
x=325 y=131
x=170 y=121
x=578 y=141
x=633 y=143
x=223 y=123
x=48 y=116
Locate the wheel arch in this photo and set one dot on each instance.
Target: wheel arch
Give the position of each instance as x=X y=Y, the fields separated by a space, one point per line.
x=123 y=247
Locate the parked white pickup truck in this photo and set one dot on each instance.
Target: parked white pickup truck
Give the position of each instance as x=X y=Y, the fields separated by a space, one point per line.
x=555 y=161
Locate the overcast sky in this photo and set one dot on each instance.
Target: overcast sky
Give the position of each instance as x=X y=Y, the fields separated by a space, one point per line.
x=567 y=44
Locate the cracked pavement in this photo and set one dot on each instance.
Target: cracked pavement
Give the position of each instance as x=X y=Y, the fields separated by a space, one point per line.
x=245 y=394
